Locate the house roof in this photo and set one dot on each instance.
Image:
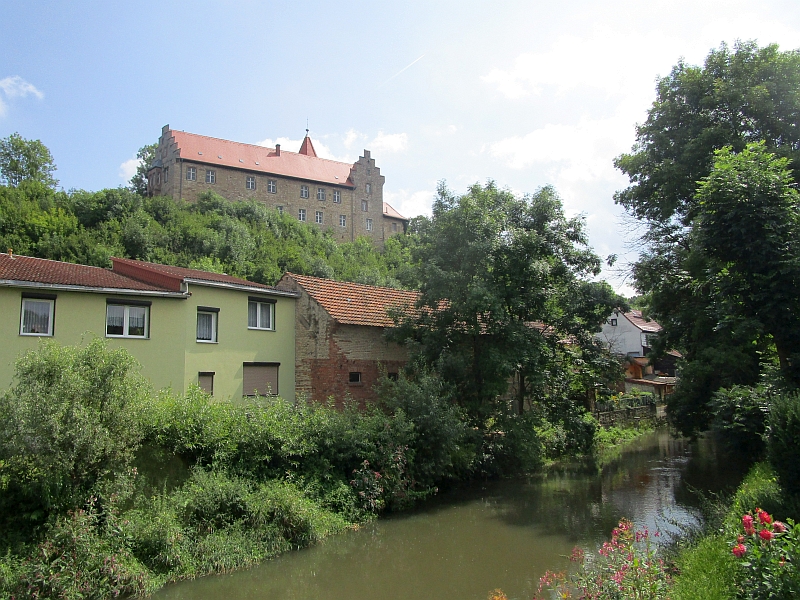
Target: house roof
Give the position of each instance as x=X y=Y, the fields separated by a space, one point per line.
x=355 y=303
x=389 y=211
x=26 y=269
x=225 y=153
x=635 y=317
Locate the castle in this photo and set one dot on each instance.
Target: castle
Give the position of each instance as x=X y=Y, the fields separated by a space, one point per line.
x=344 y=198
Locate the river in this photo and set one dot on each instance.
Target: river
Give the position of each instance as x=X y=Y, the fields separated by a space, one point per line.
x=501 y=534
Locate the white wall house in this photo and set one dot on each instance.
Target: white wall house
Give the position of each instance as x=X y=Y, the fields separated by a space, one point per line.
x=628 y=334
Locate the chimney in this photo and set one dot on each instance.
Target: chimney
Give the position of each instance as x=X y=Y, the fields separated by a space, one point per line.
x=277 y=149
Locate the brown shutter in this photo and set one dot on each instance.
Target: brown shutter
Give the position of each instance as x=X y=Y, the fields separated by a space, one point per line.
x=206 y=382
x=260 y=379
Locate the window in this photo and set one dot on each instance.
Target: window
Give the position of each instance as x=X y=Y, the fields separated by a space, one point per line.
x=280 y=209
x=191 y=174
x=37 y=316
x=250 y=182
x=260 y=314
x=304 y=191
x=158 y=178
x=320 y=193
x=613 y=322
x=355 y=377
x=272 y=186
x=337 y=196
x=207 y=324
x=260 y=379
x=166 y=174
x=318 y=217
x=369 y=171
x=127 y=320
x=301 y=214
x=343 y=220
x=369 y=188
x=369 y=224
x=394 y=227
x=392 y=376
x=364 y=205
x=205 y=379
x=211 y=176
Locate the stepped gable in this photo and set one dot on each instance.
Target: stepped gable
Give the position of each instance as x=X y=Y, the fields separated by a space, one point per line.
x=299 y=165
x=53 y=272
x=355 y=303
x=635 y=317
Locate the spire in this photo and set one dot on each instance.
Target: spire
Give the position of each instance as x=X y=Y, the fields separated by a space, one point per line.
x=308 y=148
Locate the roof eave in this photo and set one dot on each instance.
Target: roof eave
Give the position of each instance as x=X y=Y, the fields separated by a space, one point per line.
x=242 y=288
x=91 y=289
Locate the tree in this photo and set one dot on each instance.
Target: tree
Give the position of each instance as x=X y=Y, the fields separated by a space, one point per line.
x=146 y=155
x=735 y=98
x=25 y=160
x=504 y=282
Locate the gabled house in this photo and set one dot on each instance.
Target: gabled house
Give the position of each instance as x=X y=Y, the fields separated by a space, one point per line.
x=230 y=336
x=340 y=334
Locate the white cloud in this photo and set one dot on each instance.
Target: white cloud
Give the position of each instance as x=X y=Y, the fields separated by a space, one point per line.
x=128 y=168
x=352 y=136
x=389 y=142
x=410 y=204
x=16 y=87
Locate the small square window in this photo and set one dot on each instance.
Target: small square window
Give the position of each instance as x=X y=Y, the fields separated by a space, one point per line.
x=320 y=193
x=392 y=376
x=337 y=196
x=211 y=176
x=369 y=224
x=127 y=321
x=369 y=188
x=37 y=317
x=260 y=315
x=318 y=217
x=613 y=322
x=205 y=381
x=343 y=220
x=191 y=174
x=272 y=186
x=355 y=377
x=301 y=214
x=364 y=205
x=304 y=191
x=250 y=183
x=206 y=326
x=280 y=209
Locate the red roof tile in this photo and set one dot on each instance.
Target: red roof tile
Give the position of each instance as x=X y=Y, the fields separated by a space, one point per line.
x=225 y=153
x=635 y=317
x=389 y=211
x=53 y=272
x=355 y=303
x=151 y=271
x=307 y=147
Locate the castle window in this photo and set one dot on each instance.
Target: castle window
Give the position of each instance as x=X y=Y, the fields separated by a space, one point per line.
x=355 y=377
x=369 y=188
x=364 y=205
x=191 y=174
x=272 y=186
x=166 y=174
x=343 y=220
x=369 y=224
x=337 y=196
x=280 y=209
x=301 y=214
x=304 y=191
x=318 y=217
x=394 y=227
x=211 y=176
x=250 y=183
x=320 y=193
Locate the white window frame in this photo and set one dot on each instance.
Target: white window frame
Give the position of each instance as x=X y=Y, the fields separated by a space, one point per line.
x=214 y=322
x=337 y=196
x=364 y=206
x=319 y=217
x=304 y=191
x=126 y=321
x=343 y=220
x=301 y=215
x=250 y=182
x=272 y=186
x=259 y=325
x=321 y=194
x=50 y=317
x=211 y=176
x=369 y=224
x=191 y=173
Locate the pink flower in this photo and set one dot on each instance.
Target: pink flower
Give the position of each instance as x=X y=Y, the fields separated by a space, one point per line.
x=763 y=516
x=766 y=535
x=739 y=539
x=779 y=527
x=747 y=521
x=739 y=550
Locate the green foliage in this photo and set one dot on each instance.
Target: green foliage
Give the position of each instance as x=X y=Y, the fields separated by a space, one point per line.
x=740 y=415
x=782 y=442
x=25 y=160
x=145 y=156
x=706 y=571
x=68 y=428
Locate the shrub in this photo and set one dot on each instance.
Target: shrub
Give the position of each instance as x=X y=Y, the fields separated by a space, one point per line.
x=784 y=433
x=740 y=415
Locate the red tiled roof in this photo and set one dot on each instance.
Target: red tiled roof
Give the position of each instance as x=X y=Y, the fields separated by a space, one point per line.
x=355 y=303
x=635 y=317
x=144 y=270
x=307 y=147
x=389 y=211
x=53 y=272
x=236 y=155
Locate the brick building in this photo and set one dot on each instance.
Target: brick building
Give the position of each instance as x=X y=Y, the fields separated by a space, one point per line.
x=344 y=198
x=341 y=348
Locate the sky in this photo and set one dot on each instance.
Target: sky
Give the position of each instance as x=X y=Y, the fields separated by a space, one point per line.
x=525 y=93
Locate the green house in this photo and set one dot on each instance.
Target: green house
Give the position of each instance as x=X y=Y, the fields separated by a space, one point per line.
x=232 y=337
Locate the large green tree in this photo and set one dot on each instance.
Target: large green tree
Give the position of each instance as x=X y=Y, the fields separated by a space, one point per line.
x=737 y=97
x=25 y=160
x=146 y=155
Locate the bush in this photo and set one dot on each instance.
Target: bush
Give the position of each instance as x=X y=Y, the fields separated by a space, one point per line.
x=782 y=442
x=740 y=416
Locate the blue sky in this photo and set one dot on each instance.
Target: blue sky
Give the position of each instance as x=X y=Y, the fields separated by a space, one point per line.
x=525 y=93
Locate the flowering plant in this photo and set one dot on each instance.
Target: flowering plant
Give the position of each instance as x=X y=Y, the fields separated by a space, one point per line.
x=769 y=551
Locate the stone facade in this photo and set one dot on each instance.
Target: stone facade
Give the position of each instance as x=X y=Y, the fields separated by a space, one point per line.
x=346 y=199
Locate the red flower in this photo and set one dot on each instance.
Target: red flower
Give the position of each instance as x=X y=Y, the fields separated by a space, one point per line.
x=739 y=550
x=763 y=516
x=766 y=534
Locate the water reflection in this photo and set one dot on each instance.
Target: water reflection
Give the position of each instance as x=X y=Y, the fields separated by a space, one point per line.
x=503 y=534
